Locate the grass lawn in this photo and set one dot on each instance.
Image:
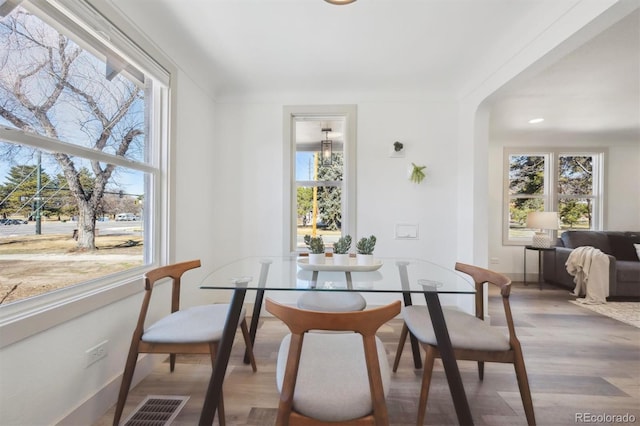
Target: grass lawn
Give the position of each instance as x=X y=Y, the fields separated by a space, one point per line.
x=31 y=265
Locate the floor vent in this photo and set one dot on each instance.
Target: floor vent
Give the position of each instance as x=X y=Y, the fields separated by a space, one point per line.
x=156 y=410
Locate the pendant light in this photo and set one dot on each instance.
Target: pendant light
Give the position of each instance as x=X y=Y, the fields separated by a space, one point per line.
x=339 y=2
x=326 y=148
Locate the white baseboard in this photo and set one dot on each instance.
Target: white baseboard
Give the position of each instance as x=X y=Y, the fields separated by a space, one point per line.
x=94 y=407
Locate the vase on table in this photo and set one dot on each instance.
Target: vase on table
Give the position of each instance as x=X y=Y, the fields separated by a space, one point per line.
x=364 y=259
x=316 y=258
x=341 y=259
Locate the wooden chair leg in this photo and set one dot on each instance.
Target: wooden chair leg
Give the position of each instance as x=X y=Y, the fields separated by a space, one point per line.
x=401 y=342
x=127 y=377
x=427 y=372
x=523 y=385
x=247 y=342
x=481 y=370
x=172 y=362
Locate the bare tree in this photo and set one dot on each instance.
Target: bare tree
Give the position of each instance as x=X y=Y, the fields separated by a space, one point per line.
x=52 y=87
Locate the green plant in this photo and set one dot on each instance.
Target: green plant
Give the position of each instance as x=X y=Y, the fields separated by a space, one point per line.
x=366 y=245
x=315 y=244
x=417 y=174
x=343 y=245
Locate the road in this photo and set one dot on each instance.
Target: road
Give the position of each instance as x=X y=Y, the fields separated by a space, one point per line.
x=55 y=227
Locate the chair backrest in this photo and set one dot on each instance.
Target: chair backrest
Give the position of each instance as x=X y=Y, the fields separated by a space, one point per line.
x=365 y=322
x=173 y=271
x=481 y=276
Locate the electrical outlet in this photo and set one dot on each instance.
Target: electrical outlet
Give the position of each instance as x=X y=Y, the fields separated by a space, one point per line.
x=96 y=353
x=494 y=260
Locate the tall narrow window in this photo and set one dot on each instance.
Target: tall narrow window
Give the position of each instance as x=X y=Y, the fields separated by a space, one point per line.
x=576 y=192
x=319 y=176
x=552 y=180
x=320 y=186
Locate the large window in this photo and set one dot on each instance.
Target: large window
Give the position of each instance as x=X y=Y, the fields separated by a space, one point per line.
x=80 y=135
x=569 y=183
x=320 y=150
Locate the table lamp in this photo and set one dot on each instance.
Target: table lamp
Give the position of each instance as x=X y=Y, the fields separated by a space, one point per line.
x=542 y=221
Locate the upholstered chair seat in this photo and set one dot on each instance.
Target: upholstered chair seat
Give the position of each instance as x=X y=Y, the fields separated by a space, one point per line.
x=466 y=331
x=196 y=324
x=331 y=301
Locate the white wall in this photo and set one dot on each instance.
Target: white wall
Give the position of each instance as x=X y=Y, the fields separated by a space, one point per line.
x=249 y=162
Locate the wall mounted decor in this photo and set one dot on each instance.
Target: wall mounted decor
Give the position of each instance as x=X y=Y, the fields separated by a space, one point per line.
x=417 y=173
x=397 y=150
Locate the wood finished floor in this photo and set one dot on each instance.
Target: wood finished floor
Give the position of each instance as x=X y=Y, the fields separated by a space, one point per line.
x=577 y=361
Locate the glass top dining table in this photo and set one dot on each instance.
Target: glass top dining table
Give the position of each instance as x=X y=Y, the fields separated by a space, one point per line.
x=402 y=276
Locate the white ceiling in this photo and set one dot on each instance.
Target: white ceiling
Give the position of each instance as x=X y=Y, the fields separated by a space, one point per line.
x=394 y=48
x=591 y=92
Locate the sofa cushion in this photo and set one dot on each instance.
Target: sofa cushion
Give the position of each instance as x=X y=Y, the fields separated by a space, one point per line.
x=622 y=245
x=596 y=239
x=627 y=271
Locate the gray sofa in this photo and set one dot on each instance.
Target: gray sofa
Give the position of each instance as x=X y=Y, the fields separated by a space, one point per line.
x=624 y=265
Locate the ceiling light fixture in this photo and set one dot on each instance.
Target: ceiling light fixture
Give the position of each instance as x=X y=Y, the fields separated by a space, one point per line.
x=326 y=148
x=536 y=120
x=339 y=2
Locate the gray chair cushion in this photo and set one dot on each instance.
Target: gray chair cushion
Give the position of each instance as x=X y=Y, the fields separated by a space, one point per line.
x=329 y=301
x=198 y=324
x=627 y=271
x=332 y=383
x=465 y=330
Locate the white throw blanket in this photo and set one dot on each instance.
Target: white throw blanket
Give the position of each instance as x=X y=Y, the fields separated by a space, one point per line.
x=590 y=269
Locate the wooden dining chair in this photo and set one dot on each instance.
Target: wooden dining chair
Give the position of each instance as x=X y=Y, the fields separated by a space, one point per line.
x=472 y=338
x=333 y=378
x=193 y=330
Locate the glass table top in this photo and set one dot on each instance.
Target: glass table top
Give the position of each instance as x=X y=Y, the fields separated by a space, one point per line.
x=386 y=275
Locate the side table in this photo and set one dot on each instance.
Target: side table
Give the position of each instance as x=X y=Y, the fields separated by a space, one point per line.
x=539 y=250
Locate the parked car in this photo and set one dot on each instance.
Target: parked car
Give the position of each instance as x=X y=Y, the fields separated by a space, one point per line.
x=13 y=221
x=126 y=217
x=321 y=224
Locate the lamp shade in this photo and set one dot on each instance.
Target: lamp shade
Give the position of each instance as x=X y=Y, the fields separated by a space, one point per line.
x=542 y=220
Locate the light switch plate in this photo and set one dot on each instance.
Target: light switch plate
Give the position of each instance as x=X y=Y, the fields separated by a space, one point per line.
x=406 y=231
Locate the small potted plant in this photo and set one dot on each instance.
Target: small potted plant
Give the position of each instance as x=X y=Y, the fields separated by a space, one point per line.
x=364 y=250
x=316 y=248
x=341 y=251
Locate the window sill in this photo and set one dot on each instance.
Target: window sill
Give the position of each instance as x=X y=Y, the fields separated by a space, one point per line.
x=32 y=316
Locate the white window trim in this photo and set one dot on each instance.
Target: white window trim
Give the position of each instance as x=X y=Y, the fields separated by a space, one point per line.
x=32 y=316
x=349 y=112
x=550 y=195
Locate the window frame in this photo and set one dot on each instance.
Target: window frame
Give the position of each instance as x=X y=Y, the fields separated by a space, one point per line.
x=551 y=194
x=290 y=113
x=30 y=316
